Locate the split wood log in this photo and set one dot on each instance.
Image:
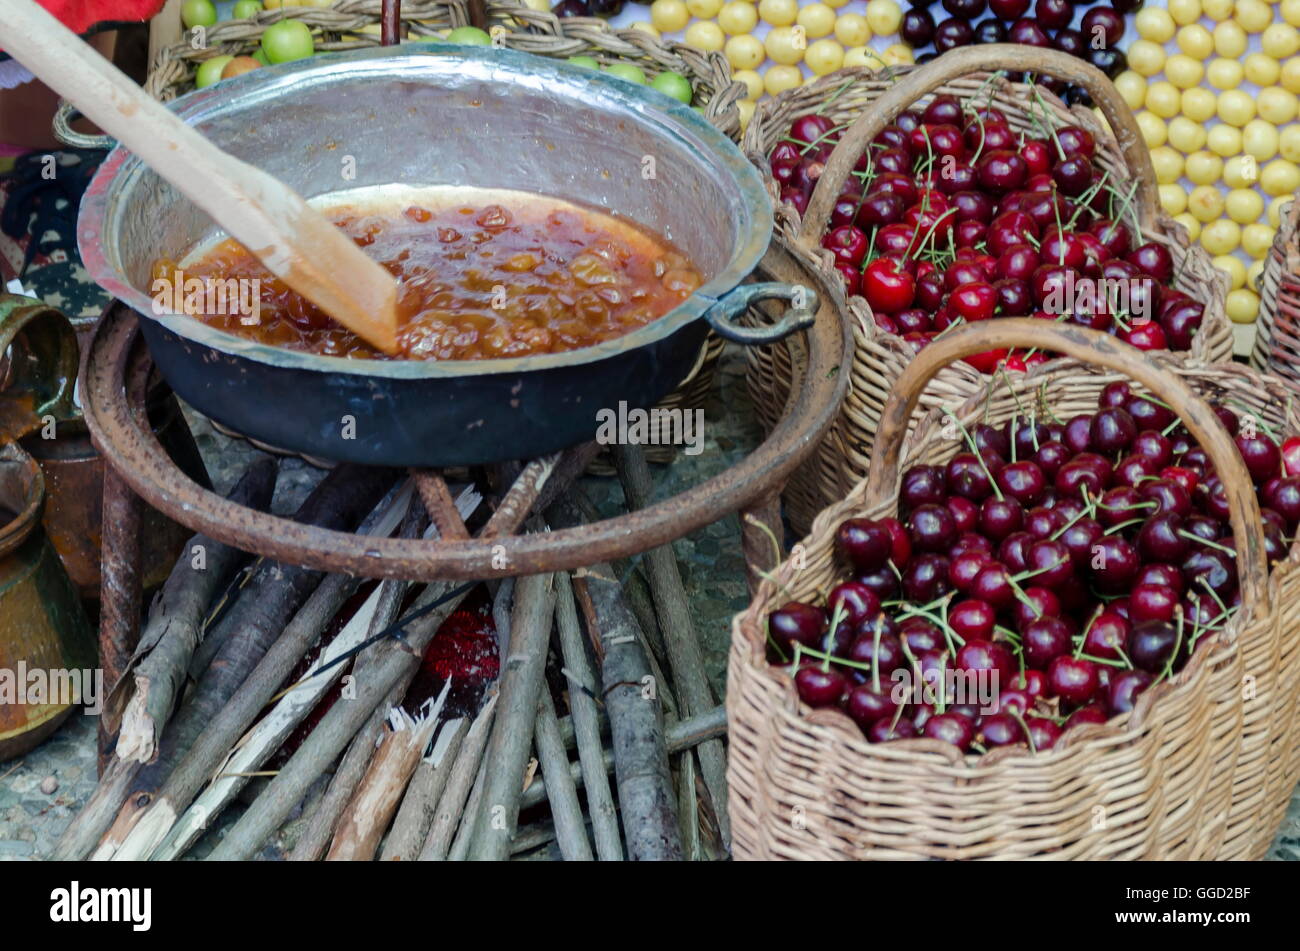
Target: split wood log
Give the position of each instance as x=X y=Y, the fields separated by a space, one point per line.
x=184 y=611
x=397 y=661
x=420 y=804
x=585 y=721
x=684 y=654
x=460 y=781
x=144 y=698
x=679 y=737
x=566 y=811
x=319 y=828
x=366 y=818
x=512 y=733
x=252 y=750
x=220 y=709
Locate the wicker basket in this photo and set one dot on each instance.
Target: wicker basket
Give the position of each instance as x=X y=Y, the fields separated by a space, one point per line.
x=867 y=101
x=1277 y=332
x=1194 y=772
x=513 y=26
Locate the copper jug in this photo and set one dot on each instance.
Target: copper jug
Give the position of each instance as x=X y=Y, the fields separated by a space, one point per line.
x=47 y=649
x=55 y=435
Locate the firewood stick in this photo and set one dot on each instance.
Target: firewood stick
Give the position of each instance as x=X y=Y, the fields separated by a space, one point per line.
x=469 y=821
x=317 y=831
x=367 y=816
x=645 y=792
x=512 y=733
x=460 y=780
x=634 y=700
x=635 y=588
x=144 y=697
x=684 y=655
x=677 y=738
x=585 y=721
x=176 y=611
x=333 y=733
x=137 y=834
x=566 y=812
x=420 y=804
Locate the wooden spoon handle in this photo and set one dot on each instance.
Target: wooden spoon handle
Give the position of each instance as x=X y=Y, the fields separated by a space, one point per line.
x=292 y=239
x=962 y=62
x=1091 y=347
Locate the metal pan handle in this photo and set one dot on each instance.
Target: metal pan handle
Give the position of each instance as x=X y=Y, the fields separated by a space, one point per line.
x=722 y=315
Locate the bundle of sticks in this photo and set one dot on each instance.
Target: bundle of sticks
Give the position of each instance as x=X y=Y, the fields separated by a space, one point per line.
x=600 y=671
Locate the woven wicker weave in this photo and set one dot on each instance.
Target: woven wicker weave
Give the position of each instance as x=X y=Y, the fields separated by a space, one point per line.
x=1277 y=331
x=1201 y=769
x=513 y=26
x=875 y=97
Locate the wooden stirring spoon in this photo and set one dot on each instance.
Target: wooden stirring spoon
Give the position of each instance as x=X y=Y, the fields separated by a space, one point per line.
x=293 y=240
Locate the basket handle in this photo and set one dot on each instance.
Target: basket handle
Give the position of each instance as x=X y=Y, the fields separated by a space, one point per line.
x=961 y=62
x=1093 y=347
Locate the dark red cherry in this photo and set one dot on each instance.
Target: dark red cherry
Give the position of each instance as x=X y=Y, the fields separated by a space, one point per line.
x=1112 y=431
x=1079 y=540
x=952 y=33
x=1107 y=636
x=796 y=622
x=922 y=485
x=1044 y=639
x=1073 y=679
x=963 y=568
x=1153 y=259
x=1151 y=644
x=886 y=729
x=1001 y=729
x=1161 y=574
x=1152 y=602
x=1125 y=686
x=950 y=728
x=967 y=478
x=965 y=515
x=1161 y=538
x=864 y=543
x=926 y=578
x=1078 y=434
x=1154 y=446
x=882 y=581
x=1038 y=602
x=1212 y=567
x=917 y=29
x=1043 y=733
x=993 y=584
x=1169 y=496
x=856 y=601
x=1022 y=481
x=979 y=654
x=931 y=528
x=1028 y=33
x=900 y=545
x=1050 y=562
x=1086 y=716
x=1000 y=517
x=1262 y=457
x=818 y=687
x=866 y=707
x=1114 y=563
x=1110 y=22
x=884 y=653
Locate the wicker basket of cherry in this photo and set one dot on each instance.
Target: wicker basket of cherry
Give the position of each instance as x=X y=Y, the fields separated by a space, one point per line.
x=947 y=194
x=1056 y=621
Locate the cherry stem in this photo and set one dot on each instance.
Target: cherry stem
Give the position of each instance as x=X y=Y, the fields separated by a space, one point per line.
x=1103 y=660
x=1025 y=727
x=875 y=653
x=975 y=451
x=1205 y=541
x=836 y=616
x=1178 y=645
x=1115 y=528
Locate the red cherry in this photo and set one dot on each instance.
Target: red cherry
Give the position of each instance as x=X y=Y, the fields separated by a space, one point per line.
x=818 y=687
x=887 y=286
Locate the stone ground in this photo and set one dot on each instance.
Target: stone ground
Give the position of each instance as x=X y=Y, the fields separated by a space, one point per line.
x=40 y=793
